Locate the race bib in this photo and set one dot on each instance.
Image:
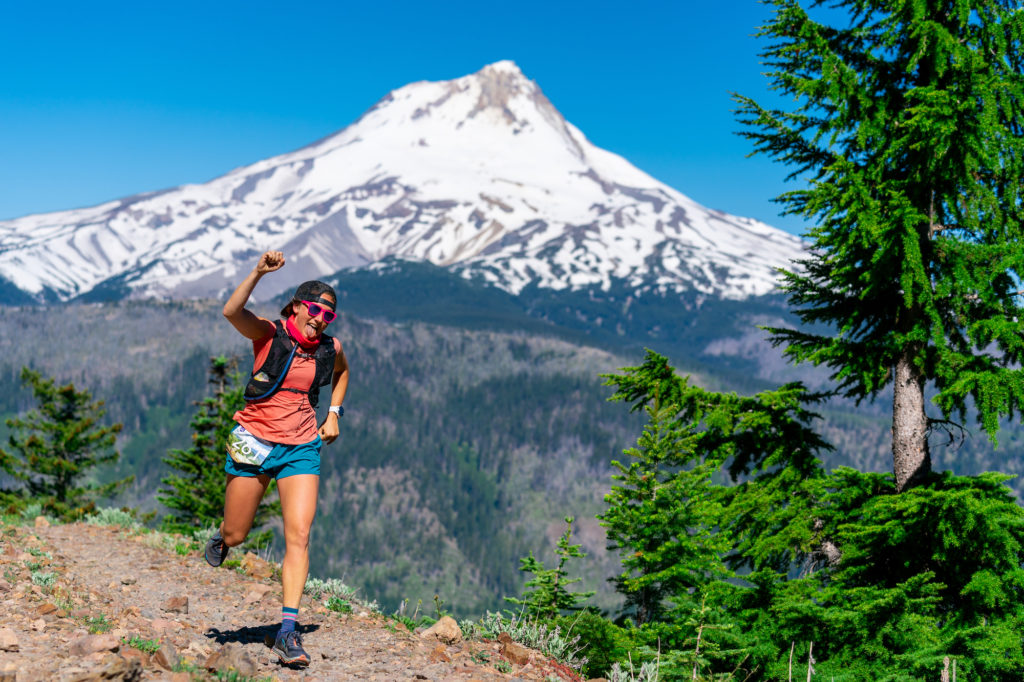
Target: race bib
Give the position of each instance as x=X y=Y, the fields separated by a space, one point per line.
x=246 y=448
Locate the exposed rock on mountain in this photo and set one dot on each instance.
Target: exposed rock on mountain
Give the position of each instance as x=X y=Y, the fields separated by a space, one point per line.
x=481 y=174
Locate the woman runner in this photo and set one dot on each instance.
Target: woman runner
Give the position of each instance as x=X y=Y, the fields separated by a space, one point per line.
x=277 y=435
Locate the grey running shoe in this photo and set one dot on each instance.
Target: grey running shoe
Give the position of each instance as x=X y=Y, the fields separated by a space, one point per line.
x=216 y=550
x=288 y=647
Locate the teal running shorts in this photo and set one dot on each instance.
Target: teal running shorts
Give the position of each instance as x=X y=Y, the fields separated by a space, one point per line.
x=282 y=462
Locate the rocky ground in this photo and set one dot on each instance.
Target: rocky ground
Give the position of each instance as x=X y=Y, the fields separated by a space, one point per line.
x=84 y=602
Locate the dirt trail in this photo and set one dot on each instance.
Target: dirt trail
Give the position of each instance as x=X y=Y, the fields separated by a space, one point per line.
x=108 y=579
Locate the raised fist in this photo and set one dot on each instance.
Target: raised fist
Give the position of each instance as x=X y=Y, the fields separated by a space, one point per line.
x=270 y=261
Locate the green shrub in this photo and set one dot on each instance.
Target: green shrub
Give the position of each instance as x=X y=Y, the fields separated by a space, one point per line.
x=600 y=640
x=338 y=605
x=43 y=579
x=109 y=516
x=149 y=646
x=98 y=624
x=542 y=636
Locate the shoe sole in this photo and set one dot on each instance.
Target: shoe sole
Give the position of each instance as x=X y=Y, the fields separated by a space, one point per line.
x=269 y=641
x=301 y=662
x=210 y=560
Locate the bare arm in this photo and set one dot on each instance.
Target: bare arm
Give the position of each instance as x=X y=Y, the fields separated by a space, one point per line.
x=250 y=325
x=329 y=430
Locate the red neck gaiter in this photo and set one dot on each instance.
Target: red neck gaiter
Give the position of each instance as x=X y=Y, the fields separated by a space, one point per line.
x=294 y=332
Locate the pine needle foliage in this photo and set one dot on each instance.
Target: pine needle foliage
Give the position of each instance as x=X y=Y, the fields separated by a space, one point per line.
x=767 y=556
x=659 y=518
x=195 y=494
x=764 y=444
x=550 y=595
x=56 y=447
x=908 y=128
x=907 y=125
x=931 y=573
x=718 y=481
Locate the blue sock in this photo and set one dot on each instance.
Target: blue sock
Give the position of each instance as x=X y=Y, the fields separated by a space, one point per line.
x=288 y=620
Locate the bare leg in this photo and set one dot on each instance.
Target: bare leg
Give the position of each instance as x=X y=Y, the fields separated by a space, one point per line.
x=298 y=507
x=241 y=498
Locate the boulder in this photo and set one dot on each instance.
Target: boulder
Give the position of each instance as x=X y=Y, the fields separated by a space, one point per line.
x=177 y=604
x=164 y=625
x=515 y=652
x=8 y=640
x=166 y=657
x=256 y=567
x=257 y=592
x=232 y=656
x=445 y=630
x=90 y=644
x=116 y=670
x=132 y=654
x=439 y=654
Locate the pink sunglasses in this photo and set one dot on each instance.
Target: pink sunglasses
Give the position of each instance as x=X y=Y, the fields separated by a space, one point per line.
x=315 y=309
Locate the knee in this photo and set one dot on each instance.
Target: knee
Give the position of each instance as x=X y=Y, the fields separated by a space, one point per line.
x=233 y=537
x=297 y=538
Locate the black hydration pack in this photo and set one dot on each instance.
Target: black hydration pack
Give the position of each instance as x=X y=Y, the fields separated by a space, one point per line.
x=266 y=380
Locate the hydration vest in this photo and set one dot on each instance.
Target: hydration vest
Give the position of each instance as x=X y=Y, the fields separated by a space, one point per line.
x=266 y=380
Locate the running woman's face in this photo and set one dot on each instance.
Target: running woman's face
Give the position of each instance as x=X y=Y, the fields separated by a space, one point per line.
x=311 y=327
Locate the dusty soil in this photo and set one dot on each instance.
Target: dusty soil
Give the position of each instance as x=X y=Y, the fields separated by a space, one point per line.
x=98 y=589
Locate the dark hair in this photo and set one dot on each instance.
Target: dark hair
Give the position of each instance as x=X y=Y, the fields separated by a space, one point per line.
x=309 y=291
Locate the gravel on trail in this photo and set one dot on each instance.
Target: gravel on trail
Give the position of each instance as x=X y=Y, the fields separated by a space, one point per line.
x=84 y=602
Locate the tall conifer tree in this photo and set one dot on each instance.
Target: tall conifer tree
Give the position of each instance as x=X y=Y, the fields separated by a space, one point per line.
x=909 y=130
x=195 y=494
x=56 y=447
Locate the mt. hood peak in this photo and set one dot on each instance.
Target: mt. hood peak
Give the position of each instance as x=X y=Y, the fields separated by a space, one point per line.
x=481 y=173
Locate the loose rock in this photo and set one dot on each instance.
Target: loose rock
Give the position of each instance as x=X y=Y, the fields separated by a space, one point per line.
x=445 y=630
x=117 y=670
x=90 y=644
x=231 y=657
x=166 y=657
x=132 y=654
x=515 y=652
x=176 y=605
x=256 y=567
x=257 y=593
x=8 y=640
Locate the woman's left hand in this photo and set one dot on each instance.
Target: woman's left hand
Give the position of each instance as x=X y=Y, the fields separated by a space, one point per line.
x=329 y=429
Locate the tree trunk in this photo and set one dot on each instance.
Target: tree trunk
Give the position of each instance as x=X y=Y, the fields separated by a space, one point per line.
x=910 y=456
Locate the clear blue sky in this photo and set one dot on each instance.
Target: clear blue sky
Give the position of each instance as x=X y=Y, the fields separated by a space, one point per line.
x=107 y=99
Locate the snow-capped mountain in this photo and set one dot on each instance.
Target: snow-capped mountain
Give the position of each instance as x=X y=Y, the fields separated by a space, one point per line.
x=480 y=173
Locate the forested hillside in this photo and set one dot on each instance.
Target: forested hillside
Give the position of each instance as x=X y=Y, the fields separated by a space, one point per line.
x=461 y=449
